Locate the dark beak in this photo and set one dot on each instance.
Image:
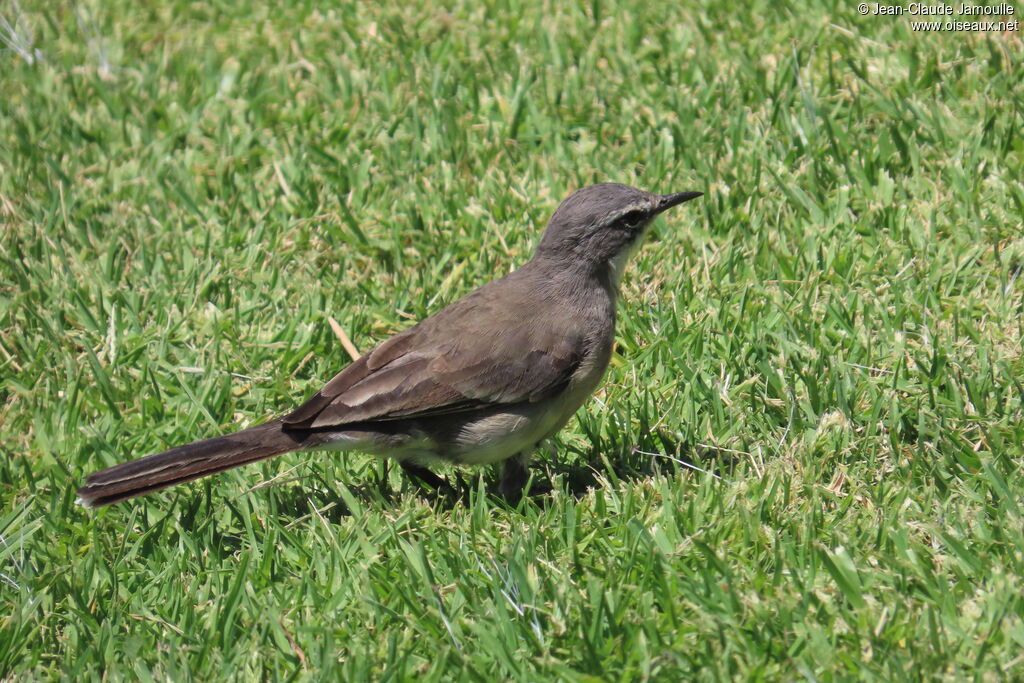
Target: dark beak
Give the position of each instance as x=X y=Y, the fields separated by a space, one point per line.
x=667 y=201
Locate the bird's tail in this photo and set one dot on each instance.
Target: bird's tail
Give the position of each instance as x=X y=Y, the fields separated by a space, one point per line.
x=188 y=462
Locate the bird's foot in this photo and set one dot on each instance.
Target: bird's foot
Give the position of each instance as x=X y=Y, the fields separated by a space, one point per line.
x=425 y=476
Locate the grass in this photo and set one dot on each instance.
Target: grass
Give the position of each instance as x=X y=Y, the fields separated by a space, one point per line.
x=188 y=191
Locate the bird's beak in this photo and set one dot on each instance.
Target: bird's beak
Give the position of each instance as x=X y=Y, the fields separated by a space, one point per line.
x=667 y=201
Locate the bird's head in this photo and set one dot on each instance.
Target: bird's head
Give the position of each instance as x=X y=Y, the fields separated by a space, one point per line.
x=601 y=224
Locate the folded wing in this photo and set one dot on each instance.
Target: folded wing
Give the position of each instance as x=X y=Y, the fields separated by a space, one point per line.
x=448 y=363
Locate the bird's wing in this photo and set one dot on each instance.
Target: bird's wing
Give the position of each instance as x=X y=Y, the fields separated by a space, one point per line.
x=444 y=365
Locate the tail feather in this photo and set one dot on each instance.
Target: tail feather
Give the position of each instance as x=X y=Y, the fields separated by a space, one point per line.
x=188 y=462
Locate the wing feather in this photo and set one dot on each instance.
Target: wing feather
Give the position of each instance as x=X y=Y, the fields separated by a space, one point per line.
x=440 y=366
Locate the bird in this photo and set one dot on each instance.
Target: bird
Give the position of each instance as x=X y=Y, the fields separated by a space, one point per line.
x=482 y=381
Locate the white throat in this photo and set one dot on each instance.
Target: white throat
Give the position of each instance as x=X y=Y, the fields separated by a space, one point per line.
x=619 y=262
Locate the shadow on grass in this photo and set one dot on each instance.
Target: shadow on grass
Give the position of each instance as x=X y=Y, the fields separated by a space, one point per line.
x=640 y=463
x=314 y=495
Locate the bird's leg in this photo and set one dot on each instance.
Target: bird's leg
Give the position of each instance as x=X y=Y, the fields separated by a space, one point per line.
x=426 y=476
x=514 y=476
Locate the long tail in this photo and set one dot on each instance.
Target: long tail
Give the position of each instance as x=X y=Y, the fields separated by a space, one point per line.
x=188 y=462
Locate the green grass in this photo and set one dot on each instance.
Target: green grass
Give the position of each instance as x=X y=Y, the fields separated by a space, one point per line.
x=189 y=191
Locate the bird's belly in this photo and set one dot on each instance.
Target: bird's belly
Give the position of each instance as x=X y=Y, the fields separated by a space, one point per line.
x=462 y=440
x=499 y=436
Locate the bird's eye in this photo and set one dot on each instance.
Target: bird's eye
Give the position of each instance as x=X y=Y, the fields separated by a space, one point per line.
x=632 y=219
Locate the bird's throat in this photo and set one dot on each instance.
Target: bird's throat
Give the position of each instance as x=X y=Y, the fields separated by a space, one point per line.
x=617 y=264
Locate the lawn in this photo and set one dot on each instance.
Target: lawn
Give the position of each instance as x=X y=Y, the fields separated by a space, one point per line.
x=806 y=459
